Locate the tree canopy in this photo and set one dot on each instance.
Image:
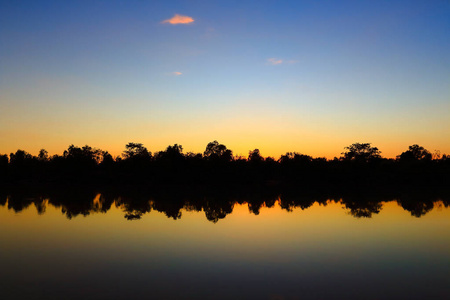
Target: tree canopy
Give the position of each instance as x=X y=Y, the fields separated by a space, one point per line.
x=361 y=152
x=415 y=153
x=216 y=151
x=135 y=150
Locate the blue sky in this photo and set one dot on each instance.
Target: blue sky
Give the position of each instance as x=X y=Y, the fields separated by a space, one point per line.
x=306 y=76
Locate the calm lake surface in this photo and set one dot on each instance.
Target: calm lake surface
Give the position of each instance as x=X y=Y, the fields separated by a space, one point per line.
x=92 y=245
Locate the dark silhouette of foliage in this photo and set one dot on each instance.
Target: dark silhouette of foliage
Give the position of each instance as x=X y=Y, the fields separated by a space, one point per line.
x=20 y=157
x=107 y=158
x=172 y=153
x=135 y=150
x=295 y=157
x=254 y=156
x=361 y=152
x=360 y=164
x=216 y=151
x=364 y=208
x=417 y=207
x=415 y=153
x=86 y=154
x=43 y=155
x=217 y=203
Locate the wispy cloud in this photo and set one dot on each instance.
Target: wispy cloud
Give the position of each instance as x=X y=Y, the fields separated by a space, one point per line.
x=278 y=61
x=274 y=61
x=177 y=73
x=178 y=19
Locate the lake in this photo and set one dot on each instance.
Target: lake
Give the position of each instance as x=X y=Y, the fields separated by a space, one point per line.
x=83 y=243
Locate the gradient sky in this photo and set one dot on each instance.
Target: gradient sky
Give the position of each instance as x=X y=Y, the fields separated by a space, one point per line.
x=305 y=76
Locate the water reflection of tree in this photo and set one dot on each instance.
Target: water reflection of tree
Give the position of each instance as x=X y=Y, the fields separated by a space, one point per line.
x=216 y=209
x=134 y=206
x=3 y=198
x=363 y=209
x=216 y=203
x=418 y=205
x=41 y=205
x=364 y=204
x=172 y=209
x=74 y=202
x=21 y=199
x=293 y=199
x=260 y=198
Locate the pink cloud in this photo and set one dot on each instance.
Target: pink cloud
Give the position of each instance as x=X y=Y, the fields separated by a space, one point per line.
x=179 y=19
x=275 y=61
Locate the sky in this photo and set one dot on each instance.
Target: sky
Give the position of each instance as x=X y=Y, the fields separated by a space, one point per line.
x=305 y=76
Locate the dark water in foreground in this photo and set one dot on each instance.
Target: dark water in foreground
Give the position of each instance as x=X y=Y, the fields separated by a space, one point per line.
x=103 y=246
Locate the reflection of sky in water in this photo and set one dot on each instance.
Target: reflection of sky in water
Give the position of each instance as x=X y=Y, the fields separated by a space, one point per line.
x=319 y=252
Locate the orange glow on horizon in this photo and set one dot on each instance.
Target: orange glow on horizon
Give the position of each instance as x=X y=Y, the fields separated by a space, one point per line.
x=240 y=148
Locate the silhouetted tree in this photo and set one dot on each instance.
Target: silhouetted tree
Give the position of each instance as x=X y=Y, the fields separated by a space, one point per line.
x=295 y=157
x=43 y=155
x=84 y=154
x=270 y=159
x=255 y=156
x=172 y=153
x=20 y=157
x=361 y=152
x=135 y=150
x=216 y=151
x=415 y=153
x=286 y=157
x=107 y=158
x=192 y=155
x=4 y=160
x=360 y=164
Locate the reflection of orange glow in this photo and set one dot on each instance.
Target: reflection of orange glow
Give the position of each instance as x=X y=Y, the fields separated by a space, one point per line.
x=327 y=212
x=330 y=207
x=96 y=203
x=303 y=229
x=96 y=200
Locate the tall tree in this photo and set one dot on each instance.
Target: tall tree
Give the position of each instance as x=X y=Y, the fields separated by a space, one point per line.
x=414 y=153
x=135 y=150
x=216 y=151
x=361 y=152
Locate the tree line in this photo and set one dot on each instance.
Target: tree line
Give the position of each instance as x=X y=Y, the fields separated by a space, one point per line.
x=360 y=163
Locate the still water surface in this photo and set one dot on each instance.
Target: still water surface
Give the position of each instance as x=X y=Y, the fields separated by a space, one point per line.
x=325 y=250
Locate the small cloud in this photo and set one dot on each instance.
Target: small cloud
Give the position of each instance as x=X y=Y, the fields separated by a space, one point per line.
x=177 y=73
x=275 y=61
x=178 y=19
x=279 y=61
